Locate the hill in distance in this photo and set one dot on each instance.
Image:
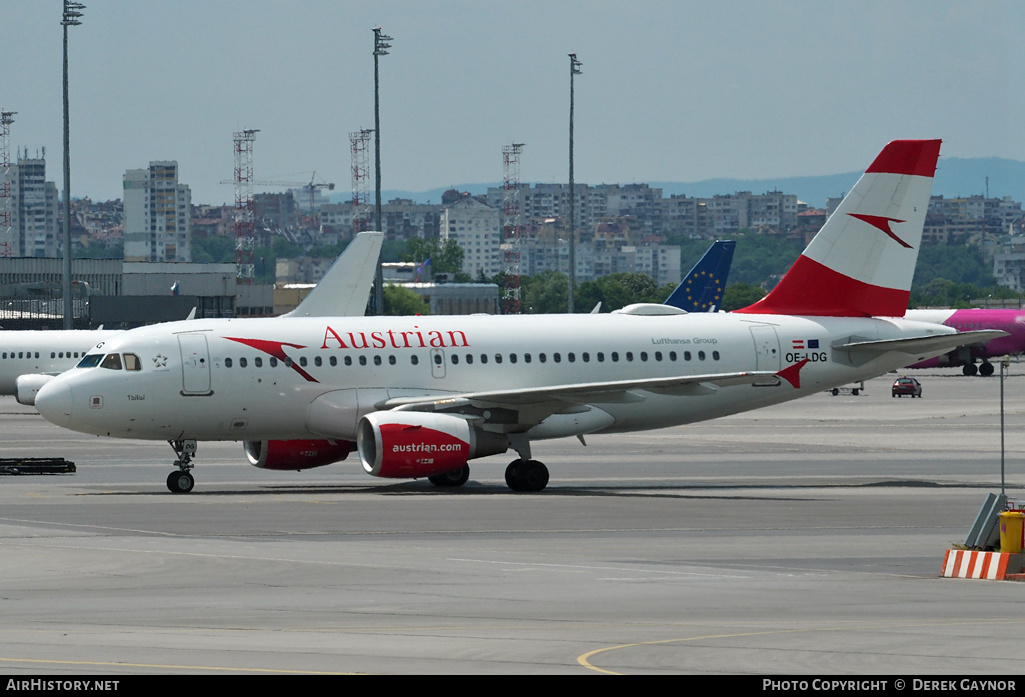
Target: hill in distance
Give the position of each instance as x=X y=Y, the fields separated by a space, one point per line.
x=955 y=177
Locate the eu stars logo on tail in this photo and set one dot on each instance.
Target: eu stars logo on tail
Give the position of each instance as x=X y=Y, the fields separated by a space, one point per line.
x=702 y=288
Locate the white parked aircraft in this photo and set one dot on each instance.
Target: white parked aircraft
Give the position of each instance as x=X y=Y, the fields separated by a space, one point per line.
x=29 y=359
x=422 y=396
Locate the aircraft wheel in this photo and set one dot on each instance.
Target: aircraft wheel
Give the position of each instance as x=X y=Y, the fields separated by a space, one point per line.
x=835 y=391
x=454 y=478
x=511 y=474
x=532 y=476
x=970 y=369
x=986 y=369
x=180 y=482
x=855 y=392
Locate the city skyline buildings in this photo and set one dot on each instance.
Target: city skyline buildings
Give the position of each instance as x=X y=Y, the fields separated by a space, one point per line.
x=676 y=91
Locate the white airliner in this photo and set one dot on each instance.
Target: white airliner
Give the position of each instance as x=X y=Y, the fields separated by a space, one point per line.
x=421 y=396
x=29 y=359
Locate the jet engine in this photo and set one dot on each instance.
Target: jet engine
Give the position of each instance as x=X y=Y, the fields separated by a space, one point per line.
x=26 y=387
x=400 y=444
x=295 y=454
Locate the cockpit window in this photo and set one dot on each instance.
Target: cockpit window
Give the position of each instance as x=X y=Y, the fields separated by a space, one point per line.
x=111 y=361
x=90 y=361
x=132 y=362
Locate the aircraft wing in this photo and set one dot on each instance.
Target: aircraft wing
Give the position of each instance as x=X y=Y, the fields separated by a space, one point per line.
x=934 y=343
x=557 y=397
x=345 y=288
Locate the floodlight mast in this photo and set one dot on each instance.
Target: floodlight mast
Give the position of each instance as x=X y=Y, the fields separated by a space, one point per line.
x=72 y=13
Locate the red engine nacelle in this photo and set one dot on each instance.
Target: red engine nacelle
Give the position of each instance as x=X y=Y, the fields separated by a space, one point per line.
x=401 y=444
x=295 y=454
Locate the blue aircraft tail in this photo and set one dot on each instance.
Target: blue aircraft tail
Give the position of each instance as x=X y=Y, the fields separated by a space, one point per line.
x=702 y=288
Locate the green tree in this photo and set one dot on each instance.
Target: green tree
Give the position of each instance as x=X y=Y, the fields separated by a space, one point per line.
x=618 y=290
x=402 y=301
x=738 y=295
x=545 y=293
x=446 y=256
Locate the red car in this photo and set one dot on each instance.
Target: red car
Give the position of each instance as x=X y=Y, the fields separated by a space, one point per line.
x=906 y=386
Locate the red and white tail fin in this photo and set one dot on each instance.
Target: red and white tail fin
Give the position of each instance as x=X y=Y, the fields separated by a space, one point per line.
x=860 y=264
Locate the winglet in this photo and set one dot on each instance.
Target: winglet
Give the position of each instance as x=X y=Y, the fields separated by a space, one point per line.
x=862 y=261
x=345 y=288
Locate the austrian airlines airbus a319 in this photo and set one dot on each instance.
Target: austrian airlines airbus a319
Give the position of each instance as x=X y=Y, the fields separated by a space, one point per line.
x=421 y=396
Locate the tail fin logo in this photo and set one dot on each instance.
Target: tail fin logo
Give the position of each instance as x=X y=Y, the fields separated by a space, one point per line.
x=882 y=224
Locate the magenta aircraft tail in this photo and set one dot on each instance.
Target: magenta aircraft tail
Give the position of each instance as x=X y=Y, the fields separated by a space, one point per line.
x=862 y=261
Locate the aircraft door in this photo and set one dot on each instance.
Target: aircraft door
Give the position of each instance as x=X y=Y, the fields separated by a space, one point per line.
x=438 y=363
x=767 y=354
x=195 y=365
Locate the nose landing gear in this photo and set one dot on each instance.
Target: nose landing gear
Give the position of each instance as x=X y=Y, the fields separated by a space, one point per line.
x=181 y=480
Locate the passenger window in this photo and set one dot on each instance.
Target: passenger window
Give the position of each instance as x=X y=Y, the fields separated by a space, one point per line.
x=455 y=359
x=362 y=360
x=644 y=355
x=348 y=360
x=132 y=362
x=615 y=356
x=316 y=361
x=686 y=355
x=484 y=358
x=377 y=360
x=526 y=358
x=658 y=355
x=672 y=355
x=498 y=358
x=258 y=362
x=601 y=357
x=586 y=356
x=333 y=361
x=701 y=355
x=629 y=355
x=242 y=362
x=715 y=355
x=273 y=362
x=227 y=362
x=469 y=359
x=541 y=357
x=413 y=359
x=391 y=360
x=111 y=361
x=302 y=361
x=54 y=355
x=512 y=357
x=557 y=357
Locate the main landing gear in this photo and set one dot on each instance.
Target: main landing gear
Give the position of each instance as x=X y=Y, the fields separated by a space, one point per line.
x=181 y=480
x=985 y=369
x=526 y=475
x=454 y=478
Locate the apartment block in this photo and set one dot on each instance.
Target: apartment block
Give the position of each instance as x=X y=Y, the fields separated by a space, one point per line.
x=34 y=211
x=475 y=227
x=158 y=218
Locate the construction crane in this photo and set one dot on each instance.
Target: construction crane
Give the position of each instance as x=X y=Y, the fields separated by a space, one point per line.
x=311 y=187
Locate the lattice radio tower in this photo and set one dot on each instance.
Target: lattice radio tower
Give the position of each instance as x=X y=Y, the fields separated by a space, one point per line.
x=245 y=241
x=359 y=142
x=6 y=119
x=511 y=304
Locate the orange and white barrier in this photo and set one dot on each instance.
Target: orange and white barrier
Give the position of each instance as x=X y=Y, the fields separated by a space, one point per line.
x=993 y=566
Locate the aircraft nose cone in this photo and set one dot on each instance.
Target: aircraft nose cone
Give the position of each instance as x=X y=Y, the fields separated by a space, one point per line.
x=54 y=402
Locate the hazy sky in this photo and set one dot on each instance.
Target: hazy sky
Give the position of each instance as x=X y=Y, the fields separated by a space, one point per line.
x=671 y=90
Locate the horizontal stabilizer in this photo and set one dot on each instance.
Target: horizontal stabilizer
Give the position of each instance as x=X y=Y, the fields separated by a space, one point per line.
x=933 y=343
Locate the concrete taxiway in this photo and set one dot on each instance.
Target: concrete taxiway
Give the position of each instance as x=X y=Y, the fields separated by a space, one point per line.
x=803 y=538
